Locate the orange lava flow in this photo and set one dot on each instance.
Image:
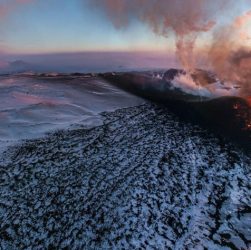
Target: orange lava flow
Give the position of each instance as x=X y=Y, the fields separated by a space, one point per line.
x=249 y=117
x=249 y=101
x=243 y=113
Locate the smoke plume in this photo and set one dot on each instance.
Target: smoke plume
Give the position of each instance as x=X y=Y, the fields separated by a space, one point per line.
x=188 y=20
x=229 y=57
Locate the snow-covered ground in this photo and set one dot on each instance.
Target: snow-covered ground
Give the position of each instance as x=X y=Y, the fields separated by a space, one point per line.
x=141 y=180
x=32 y=105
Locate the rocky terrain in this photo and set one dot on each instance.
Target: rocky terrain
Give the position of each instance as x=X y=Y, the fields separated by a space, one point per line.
x=142 y=180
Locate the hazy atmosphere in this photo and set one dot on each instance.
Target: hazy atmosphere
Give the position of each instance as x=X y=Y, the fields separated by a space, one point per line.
x=125 y=124
x=34 y=30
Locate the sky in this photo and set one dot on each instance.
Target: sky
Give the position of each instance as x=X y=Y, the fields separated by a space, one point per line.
x=71 y=26
x=35 y=29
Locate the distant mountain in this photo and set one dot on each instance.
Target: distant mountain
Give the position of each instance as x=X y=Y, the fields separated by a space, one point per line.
x=17 y=66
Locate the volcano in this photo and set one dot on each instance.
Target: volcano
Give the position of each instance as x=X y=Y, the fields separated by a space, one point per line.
x=227 y=115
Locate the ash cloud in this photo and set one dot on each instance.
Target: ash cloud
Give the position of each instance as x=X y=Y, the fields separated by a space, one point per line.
x=188 y=20
x=229 y=57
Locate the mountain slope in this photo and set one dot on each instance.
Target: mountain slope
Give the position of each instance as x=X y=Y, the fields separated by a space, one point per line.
x=143 y=180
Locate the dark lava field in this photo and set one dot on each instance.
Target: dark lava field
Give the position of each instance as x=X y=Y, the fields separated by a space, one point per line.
x=144 y=179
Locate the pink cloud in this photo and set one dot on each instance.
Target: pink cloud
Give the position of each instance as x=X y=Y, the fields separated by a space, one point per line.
x=7 y=8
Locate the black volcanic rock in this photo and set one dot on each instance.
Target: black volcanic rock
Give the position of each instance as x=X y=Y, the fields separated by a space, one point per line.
x=146 y=86
x=219 y=114
x=170 y=74
x=229 y=116
x=142 y=180
x=76 y=74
